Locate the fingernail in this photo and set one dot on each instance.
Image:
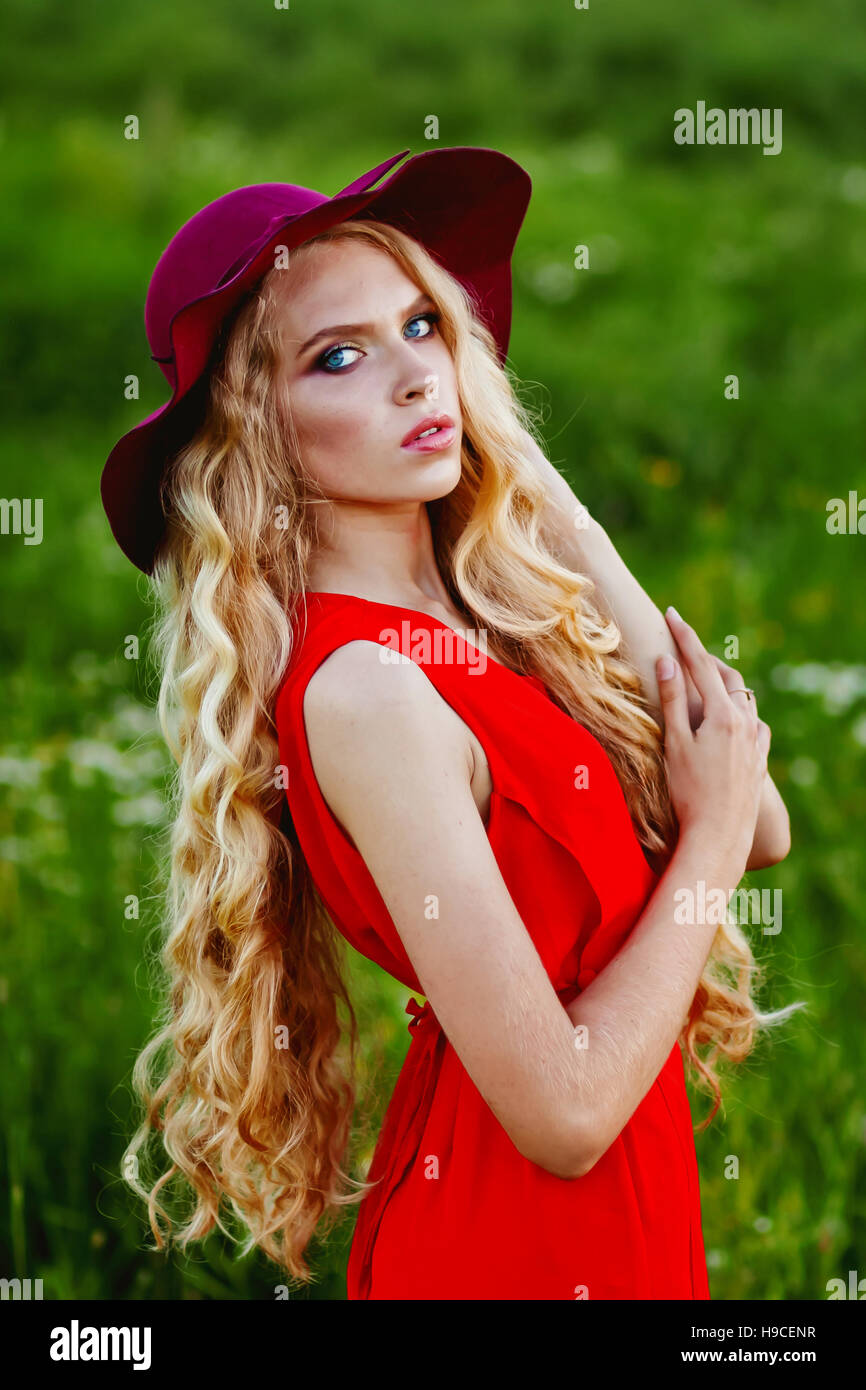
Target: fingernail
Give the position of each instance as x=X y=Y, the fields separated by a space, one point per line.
x=665 y=668
x=671 y=609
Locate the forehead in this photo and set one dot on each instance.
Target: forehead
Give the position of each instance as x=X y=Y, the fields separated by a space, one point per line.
x=334 y=281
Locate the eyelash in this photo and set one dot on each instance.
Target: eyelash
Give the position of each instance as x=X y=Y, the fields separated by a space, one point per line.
x=432 y=318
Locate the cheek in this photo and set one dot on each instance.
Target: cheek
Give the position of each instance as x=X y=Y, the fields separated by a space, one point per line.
x=335 y=428
x=326 y=420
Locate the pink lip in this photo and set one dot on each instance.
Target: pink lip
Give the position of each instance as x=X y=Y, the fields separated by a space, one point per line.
x=443 y=423
x=433 y=444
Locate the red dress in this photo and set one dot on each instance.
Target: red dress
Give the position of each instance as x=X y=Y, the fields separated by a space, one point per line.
x=460 y=1213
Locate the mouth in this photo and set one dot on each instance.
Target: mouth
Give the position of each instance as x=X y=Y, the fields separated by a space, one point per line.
x=436 y=432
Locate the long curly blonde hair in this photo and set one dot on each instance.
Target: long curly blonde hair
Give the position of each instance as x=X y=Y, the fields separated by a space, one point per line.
x=246 y=1079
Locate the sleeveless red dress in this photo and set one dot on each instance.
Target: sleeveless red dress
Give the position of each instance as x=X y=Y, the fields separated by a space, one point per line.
x=482 y=1221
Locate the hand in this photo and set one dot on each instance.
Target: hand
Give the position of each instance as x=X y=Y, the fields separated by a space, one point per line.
x=715 y=772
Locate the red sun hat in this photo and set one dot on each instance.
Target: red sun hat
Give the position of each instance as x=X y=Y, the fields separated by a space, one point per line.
x=465 y=205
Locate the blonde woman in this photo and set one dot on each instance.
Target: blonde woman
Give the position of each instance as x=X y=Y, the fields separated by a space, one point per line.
x=414 y=701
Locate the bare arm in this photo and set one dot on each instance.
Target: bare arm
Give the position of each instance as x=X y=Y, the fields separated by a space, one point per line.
x=393 y=762
x=587 y=548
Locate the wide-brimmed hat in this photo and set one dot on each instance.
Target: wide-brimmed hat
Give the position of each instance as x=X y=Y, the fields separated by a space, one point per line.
x=465 y=205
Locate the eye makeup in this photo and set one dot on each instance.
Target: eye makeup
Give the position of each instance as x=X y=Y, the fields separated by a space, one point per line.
x=320 y=363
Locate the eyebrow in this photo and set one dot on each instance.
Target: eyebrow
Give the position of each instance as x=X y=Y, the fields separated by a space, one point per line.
x=338 y=328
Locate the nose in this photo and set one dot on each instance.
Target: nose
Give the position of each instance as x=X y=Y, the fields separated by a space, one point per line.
x=414 y=378
x=417 y=383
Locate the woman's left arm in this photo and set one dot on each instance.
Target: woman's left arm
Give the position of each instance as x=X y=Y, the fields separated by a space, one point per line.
x=580 y=543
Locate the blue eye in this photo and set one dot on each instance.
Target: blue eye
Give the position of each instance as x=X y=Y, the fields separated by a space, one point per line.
x=323 y=364
x=429 y=318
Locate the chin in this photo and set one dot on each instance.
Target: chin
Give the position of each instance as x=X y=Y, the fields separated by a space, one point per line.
x=440 y=481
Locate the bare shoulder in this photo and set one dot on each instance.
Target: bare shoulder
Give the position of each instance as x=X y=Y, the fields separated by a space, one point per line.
x=372 y=715
x=369 y=673
x=365 y=687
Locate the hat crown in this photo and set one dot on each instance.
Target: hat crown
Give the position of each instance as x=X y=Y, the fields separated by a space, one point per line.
x=220 y=239
x=213 y=245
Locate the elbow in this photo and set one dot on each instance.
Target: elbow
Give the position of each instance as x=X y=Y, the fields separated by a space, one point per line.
x=568 y=1154
x=582 y=1162
x=779 y=852
x=585 y=1160
x=782 y=847
x=586 y=1149
x=580 y=1170
x=773 y=848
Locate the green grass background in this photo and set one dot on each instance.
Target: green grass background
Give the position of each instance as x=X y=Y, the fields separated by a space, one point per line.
x=705 y=261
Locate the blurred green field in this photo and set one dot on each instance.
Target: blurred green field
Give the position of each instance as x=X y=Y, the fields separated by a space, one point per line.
x=704 y=262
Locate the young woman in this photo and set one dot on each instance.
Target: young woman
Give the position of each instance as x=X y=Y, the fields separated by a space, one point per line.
x=413 y=697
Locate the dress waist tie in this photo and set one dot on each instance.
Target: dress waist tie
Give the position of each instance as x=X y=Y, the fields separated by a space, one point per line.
x=399 y=1140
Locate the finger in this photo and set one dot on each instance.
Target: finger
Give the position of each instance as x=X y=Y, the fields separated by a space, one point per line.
x=672 y=694
x=745 y=701
x=700 y=665
x=729 y=674
x=733 y=683
x=722 y=666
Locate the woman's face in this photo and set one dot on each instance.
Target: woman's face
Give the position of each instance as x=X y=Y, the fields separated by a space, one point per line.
x=355 y=393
